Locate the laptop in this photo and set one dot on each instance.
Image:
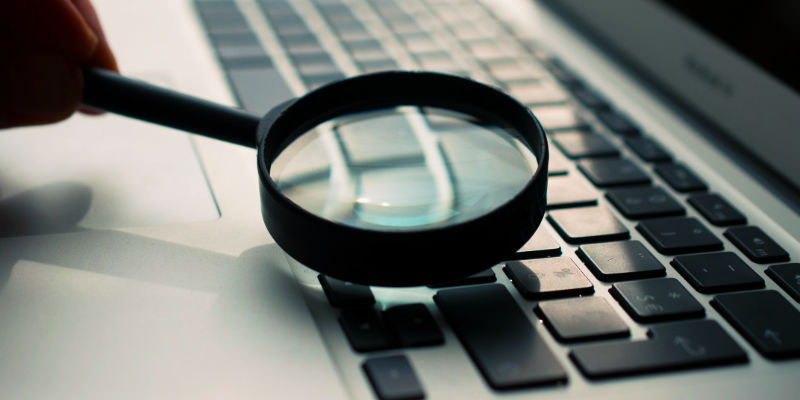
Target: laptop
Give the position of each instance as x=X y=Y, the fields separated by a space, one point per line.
x=134 y=262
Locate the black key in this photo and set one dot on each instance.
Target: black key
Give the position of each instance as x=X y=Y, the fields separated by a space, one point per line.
x=674 y=346
x=659 y=299
x=587 y=225
x=570 y=191
x=647 y=149
x=345 y=294
x=590 y=98
x=541 y=244
x=563 y=73
x=616 y=261
x=768 y=321
x=644 y=202
x=788 y=277
x=756 y=245
x=678 y=235
x=238 y=51
x=607 y=172
x=258 y=89
x=247 y=62
x=548 y=278
x=234 y=38
x=392 y=378
x=716 y=209
x=413 y=325
x=582 y=318
x=486 y=276
x=499 y=337
x=312 y=58
x=584 y=145
x=717 y=272
x=618 y=123
x=365 y=330
x=680 y=178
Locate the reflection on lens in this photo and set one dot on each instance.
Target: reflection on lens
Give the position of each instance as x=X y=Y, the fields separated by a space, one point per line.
x=404 y=168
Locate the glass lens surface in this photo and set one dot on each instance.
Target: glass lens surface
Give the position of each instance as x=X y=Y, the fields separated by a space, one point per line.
x=406 y=168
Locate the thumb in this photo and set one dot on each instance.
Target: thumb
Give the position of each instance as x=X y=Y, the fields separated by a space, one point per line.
x=37 y=87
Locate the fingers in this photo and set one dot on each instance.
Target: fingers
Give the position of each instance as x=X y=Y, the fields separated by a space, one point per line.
x=39 y=87
x=43 y=43
x=102 y=55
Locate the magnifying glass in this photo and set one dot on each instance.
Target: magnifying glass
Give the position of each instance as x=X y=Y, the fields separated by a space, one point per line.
x=386 y=179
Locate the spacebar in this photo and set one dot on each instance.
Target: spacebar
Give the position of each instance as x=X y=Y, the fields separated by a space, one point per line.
x=498 y=337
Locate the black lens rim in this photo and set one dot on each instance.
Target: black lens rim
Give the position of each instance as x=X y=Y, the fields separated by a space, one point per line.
x=405 y=258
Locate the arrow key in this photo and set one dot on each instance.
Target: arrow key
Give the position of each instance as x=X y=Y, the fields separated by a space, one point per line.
x=393 y=378
x=767 y=320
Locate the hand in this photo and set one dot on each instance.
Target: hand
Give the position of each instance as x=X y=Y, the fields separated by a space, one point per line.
x=43 y=44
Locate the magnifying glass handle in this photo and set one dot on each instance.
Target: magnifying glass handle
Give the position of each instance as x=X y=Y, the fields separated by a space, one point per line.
x=109 y=91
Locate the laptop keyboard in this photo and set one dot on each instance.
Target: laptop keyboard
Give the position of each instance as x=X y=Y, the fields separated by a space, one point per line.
x=616 y=198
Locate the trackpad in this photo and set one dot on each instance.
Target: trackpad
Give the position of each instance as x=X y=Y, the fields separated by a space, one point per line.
x=99 y=173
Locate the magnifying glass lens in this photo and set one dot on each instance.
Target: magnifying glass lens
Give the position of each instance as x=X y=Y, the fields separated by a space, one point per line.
x=405 y=168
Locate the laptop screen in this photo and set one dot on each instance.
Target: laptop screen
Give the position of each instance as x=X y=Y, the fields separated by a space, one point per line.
x=765 y=32
x=733 y=65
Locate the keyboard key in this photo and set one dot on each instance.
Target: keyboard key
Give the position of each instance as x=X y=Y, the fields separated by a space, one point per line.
x=673 y=346
x=563 y=74
x=514 y=72
x=558 y=118
x=569 y=191
x=590 y=98
x=716 y=209
x=229 y=49
x=510 y=353
x=486 y=276
x=659 y=299
x=258 y=89
x=608 y=172
x=647 y=149
x=582 y=318
x=234 y=38
x=587 y=225
x=680 y=178
x=768 y=321
x=678 y=235
x=413 y=325
x=584 y=145
x=717 y=272
x=392 y=378
x=345 y=294
x=788 y=277
x=616 y=261
x=618 y=123
x=537 y=93
x=365 y=330
x=548 y=278
x=541 y=244
x=756 y=245
x=644 y=202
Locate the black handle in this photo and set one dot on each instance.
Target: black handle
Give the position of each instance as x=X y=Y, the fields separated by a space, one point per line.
x=108 y=91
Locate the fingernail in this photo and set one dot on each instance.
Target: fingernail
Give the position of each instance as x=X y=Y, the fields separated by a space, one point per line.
x=44 y=86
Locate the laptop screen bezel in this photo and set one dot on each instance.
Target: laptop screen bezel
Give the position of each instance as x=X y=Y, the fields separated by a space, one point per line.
x=750 y=107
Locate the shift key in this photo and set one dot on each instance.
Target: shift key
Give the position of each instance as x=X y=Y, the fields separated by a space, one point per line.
x=499 y=338
x=674 y=346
